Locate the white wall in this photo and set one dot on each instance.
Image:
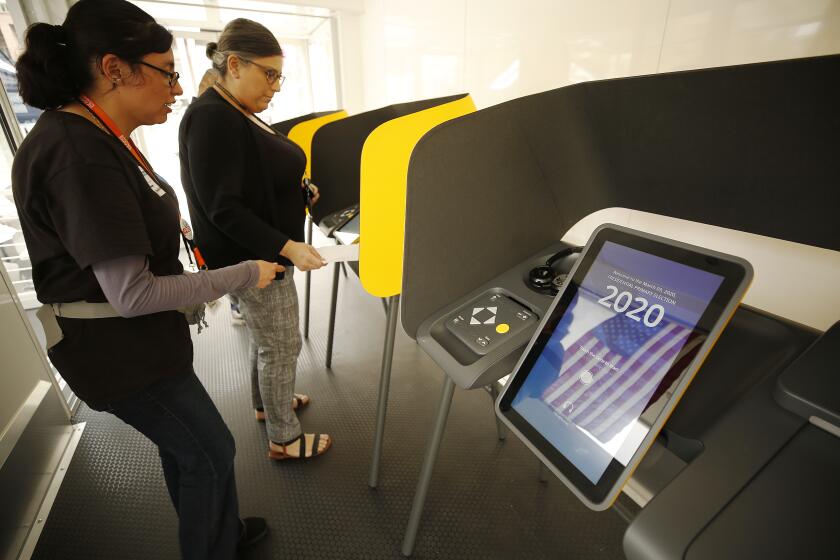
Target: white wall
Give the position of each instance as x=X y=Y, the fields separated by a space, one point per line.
x=499 y=50
x=722 y=32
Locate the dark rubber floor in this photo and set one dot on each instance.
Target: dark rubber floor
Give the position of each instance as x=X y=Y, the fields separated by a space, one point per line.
x=485 y=500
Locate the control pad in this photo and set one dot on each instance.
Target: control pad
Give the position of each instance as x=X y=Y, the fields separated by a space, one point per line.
x=488 y=321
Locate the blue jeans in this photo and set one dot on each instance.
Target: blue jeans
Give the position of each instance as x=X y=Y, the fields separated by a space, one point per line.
x=196 y=451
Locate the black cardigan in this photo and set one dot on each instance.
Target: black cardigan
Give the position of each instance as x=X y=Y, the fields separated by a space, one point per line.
x=242 y=184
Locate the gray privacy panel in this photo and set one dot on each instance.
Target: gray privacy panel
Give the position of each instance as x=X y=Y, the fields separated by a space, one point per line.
x=751 y=147
x=337 y=152
x=468 y=216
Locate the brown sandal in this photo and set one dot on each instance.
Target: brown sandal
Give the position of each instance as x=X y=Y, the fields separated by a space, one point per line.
x=298 y=401
x=301 y=441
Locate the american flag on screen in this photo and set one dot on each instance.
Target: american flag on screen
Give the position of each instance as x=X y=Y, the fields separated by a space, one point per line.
x=610 y=374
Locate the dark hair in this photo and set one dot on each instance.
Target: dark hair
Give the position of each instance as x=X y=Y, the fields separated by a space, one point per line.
x=242 y=37
x=56 y=66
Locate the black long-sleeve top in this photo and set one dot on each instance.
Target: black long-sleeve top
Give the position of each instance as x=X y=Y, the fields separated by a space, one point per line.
x=242 y=184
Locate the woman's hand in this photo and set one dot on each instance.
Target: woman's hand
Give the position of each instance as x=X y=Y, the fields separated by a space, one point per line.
x=303 y=256
x=268 y=271
x=316 y=193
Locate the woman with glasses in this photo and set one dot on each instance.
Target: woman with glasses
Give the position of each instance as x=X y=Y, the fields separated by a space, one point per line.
x=103 y=234
x=244 y=187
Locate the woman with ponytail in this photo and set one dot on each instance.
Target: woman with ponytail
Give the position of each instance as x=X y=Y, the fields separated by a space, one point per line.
x=102 y=230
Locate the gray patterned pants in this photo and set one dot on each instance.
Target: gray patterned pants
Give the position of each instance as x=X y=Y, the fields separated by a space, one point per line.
x=271 y=315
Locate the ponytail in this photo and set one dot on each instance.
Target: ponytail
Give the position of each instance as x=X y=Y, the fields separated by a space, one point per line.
x=44 y=78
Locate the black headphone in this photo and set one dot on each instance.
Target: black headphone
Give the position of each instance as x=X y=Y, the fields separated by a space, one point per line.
x=545 y=279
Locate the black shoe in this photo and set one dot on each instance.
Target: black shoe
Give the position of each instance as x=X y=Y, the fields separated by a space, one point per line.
x=254 y=529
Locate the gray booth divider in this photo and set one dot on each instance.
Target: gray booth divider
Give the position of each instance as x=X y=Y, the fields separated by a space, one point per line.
x=337 y=152
x=336 y=170
x=751 y=148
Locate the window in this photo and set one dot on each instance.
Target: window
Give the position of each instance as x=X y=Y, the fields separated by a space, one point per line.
x=305 y=34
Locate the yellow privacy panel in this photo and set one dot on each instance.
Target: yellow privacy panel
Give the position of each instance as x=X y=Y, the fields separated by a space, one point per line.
x=302 y=133
x=383 y=178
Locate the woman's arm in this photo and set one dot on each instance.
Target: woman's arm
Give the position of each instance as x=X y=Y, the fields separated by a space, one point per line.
x=133 y=290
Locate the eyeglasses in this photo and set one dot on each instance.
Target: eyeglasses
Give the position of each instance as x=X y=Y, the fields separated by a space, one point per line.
x=271 y=75
x=172 y=77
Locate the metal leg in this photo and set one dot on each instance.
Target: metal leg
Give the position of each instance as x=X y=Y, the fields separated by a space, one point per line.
x=343 y=269
x=384 y=381
x=543 y=472
x=428 y=465
x=500 y=428
x=308 y=281
x=385 y=305
x=333 y=301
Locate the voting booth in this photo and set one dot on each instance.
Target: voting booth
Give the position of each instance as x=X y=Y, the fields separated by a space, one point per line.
x=362 y=163
x=383 y=181
x=301 y=130
x=750 y=148
x=337 y=153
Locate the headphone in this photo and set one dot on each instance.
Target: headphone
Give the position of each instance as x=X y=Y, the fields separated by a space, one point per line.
x=545 y=279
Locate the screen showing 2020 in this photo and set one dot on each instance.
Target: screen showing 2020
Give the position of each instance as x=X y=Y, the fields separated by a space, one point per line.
x=627 y=335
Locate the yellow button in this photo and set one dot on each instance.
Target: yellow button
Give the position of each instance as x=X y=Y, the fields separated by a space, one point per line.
x=502 y=328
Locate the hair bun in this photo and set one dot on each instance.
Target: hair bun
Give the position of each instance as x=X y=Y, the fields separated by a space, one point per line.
x=212 y=48
x=45 y=34
x=59 y=34
x=216 y=56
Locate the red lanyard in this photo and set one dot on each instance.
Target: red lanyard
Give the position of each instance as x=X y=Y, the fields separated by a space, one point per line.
x=111 y=126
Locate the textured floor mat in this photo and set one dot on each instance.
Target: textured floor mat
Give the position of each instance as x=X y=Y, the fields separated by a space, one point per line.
x=485 y=500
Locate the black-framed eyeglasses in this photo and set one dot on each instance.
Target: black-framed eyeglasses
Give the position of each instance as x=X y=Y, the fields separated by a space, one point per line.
x=271 y=75
x=172 y=77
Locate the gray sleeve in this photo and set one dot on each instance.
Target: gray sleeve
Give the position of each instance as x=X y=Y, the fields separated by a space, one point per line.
x=133 y=290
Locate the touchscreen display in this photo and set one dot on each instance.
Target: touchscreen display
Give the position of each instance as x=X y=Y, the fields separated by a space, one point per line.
x=628 y=333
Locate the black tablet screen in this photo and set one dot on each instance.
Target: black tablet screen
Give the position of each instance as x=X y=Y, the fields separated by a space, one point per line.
x=617 y=347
